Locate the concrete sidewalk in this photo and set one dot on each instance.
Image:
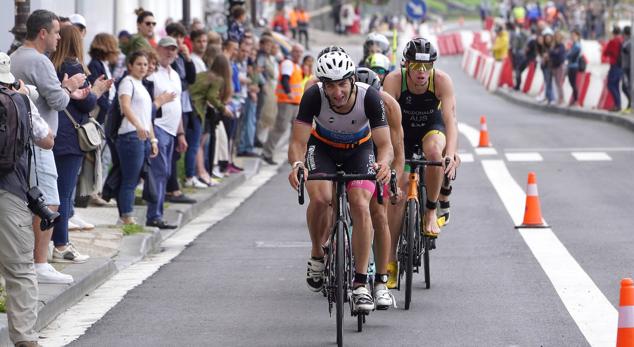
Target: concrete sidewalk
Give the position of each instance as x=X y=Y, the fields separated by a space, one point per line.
x=620 y=119
x=111 y=251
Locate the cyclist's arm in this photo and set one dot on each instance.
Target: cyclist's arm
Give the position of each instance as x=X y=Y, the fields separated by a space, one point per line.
x=309 y=107
x=375 y=111
x=392 y=84
x=396 y=131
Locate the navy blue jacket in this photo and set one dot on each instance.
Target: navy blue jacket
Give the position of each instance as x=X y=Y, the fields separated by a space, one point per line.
x=97 y=69
x=66 y=141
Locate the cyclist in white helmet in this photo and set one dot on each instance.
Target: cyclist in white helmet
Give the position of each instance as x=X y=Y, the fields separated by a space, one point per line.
x=349 y=119
x=374 y=43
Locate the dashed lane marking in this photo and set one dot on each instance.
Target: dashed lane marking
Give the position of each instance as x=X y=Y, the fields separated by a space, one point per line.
x=524 y=156
x=591 y=156
x=485 y=151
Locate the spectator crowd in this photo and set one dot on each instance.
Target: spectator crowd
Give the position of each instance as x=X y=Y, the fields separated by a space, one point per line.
x=550 y=37
x=150 y=98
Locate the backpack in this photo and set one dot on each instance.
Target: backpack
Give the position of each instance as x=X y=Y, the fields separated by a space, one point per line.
x=115 y=116
x=583 y=63
x=15 y=129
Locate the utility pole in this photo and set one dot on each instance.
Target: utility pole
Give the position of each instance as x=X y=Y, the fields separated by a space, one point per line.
x=187 y=13
x=22 y=10
x=254 y=13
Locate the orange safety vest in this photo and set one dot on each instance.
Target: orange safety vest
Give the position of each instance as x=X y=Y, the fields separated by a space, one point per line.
x=297 y=87
x=292 y=18
x=303 y=17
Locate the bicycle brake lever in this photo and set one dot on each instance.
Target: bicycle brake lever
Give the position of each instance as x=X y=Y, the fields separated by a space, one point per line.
x=300 y=190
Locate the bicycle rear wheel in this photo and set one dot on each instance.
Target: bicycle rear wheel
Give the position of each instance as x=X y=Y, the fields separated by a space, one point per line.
x=412 y=211
x=340 y=266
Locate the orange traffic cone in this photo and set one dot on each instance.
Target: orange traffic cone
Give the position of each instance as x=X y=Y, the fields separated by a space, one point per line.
x=484 y=133
x=532 y=212
x=625 y=334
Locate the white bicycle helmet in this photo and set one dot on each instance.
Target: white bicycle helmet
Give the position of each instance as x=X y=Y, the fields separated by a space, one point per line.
x=376 y=39
x=334 y=66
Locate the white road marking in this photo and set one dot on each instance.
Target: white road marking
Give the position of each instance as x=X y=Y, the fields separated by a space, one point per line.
x=524 y=156
x=485 y=151
x=466 y=157
x=471 y=133
x=572 y=149
x=591 y=156
x=282 y=244
x=592 y=312
x=74 y=322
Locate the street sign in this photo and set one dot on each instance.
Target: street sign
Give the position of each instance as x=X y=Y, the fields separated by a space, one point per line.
x=416 y=9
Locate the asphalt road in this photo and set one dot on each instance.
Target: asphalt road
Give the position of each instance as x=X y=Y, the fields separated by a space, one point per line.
x=487 y=287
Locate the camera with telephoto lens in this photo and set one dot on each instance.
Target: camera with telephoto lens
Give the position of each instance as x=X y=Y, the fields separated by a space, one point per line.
x=36 y=204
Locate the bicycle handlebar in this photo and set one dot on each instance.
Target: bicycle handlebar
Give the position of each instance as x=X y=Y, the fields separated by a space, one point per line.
x=340 y=176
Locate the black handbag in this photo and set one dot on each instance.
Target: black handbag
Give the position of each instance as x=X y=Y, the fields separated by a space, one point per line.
x=149 y=183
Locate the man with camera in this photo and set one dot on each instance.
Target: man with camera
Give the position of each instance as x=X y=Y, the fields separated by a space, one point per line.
x=20 y=127
x=31 y=64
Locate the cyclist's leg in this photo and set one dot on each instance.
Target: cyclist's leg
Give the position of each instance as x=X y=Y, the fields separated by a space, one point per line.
x=318 y=213
x=382 y=247
x=382 y=244
x=433 y=146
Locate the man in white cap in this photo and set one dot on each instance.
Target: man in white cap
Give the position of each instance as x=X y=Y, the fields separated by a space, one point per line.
x=168 y=127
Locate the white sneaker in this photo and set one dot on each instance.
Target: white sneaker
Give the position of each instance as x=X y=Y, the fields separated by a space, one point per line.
x=315 y=274
x=47 y=274
x=82 y=224
x=73 y=226
x=69 y=255
x=362 y=300
x=216 y=173
x=194 y=182
x=383 y=297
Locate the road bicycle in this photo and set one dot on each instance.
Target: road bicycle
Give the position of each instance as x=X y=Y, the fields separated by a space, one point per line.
x=413 y=246
x=339 y=270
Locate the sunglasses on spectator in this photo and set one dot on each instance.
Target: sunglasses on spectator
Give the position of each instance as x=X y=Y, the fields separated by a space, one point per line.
x=150 y=23
x=421 y=66
x=379 y=70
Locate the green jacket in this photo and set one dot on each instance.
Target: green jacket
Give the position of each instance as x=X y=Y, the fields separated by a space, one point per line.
x=207 y=89
x=137 y=42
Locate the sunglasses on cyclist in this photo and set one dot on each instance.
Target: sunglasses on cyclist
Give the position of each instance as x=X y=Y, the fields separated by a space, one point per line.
x=379 y=70
x=421 y=66
x=150 y=23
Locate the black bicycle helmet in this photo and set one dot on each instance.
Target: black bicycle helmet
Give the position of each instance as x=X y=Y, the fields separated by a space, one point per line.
x=329 y=49
x=421 y=50
x=368 y=76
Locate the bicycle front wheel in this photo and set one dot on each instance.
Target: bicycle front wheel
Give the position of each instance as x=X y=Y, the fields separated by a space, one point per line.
x=426 y=242
x=340 y=266
x=412 y=211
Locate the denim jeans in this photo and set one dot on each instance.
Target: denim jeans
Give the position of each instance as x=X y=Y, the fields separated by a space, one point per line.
x=68 y=167
x=614 y=79
x=249 y=121
x=548 y=81
x=135 y=151
x=161 y=167
x=193 y=132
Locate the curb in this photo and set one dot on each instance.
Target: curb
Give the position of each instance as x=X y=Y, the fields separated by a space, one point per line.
x=55 y=299
x=598 y=115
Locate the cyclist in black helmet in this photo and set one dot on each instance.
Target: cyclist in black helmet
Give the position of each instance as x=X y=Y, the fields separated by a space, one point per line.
x=428 y=106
